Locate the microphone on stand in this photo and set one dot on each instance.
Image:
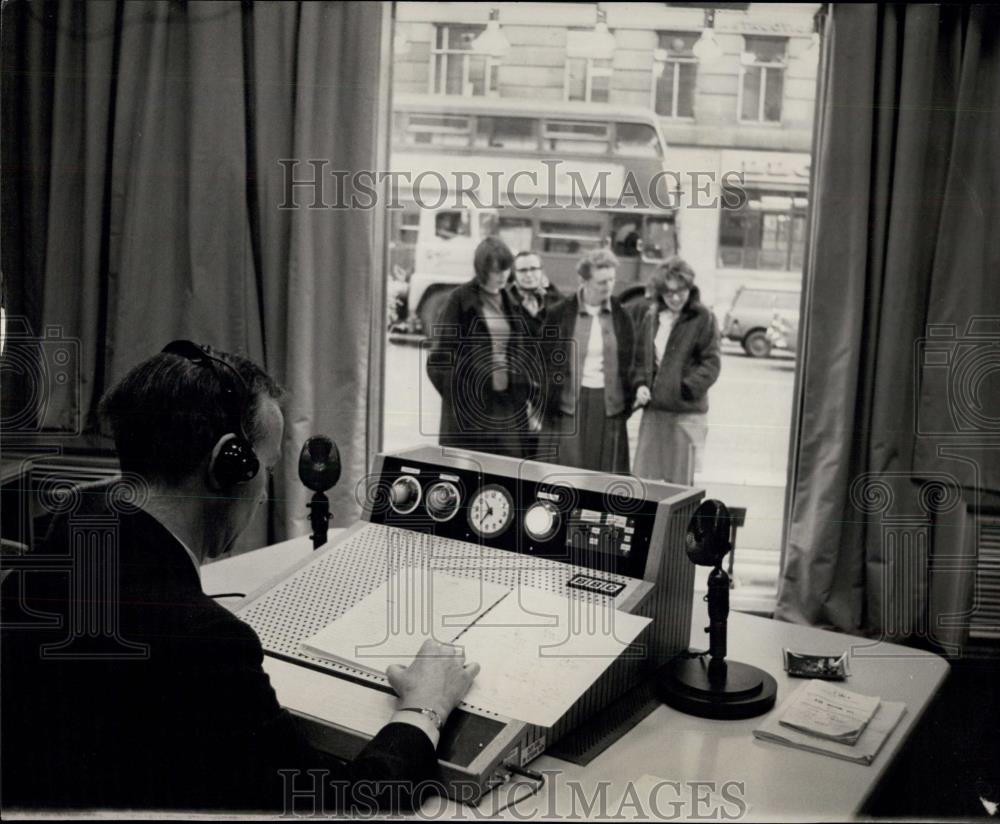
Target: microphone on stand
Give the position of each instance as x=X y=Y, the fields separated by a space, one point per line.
x=319 y=470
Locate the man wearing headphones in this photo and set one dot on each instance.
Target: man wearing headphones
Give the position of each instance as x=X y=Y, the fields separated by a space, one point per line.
x=173 y=709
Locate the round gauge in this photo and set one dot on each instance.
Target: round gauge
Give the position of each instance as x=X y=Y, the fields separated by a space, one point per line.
x=541 y=520
x=491 y=511
x=404 y=496
x=442 y=501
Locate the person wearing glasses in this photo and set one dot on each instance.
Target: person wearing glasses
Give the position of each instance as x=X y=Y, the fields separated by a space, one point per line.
x=590 y=342
x=677 y=362
x=533 y=296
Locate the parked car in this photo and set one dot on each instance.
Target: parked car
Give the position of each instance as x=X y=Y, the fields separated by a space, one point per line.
x=751 y=314
x=783 y=333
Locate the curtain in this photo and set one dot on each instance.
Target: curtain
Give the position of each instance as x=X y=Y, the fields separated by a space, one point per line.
x=149 y=138
x=901 y=308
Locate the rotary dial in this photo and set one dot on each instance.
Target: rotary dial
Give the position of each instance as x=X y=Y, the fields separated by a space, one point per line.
x=442 y=501
x=404 y=496
x=491 y=511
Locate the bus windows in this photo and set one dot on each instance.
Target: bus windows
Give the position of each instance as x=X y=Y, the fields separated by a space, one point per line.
x=570 y=238
x=576 y=137
x=453 y=223
x=436 y=130
x=516 y=233
x=637 y=140
x=488 y=224
x=514 y=134
x=625 y=235
x=659 y=240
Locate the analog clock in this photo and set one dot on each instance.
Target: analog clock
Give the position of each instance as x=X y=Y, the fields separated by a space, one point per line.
x=491 y=511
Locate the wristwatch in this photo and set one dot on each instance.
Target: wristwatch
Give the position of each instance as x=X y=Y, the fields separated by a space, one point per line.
x=432 y=714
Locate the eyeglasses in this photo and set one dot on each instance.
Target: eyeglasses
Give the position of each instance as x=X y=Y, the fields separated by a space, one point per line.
x=525 y=269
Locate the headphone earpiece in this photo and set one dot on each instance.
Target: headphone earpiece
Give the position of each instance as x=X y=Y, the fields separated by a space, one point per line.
x=233 y=462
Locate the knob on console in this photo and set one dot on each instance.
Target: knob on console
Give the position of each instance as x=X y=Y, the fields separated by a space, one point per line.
x=404 y=496
x=442 y=501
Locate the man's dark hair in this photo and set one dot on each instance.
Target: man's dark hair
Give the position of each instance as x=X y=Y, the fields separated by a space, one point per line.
x=167 y=413
x=492 y=255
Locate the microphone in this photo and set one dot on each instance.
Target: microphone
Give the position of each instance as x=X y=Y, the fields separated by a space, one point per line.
x=319 y=463
x=319 y=470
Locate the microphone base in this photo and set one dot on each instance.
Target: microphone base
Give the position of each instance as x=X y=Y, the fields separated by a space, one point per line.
x=730 y=691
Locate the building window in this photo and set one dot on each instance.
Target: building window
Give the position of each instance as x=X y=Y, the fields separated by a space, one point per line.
x=456 y=69
x=762 y=79
x=588 y=79
x=768 y=232
x=675 y=69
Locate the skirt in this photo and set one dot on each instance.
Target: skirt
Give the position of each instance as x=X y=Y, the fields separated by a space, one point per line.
x=671 y=446
x=589 y=439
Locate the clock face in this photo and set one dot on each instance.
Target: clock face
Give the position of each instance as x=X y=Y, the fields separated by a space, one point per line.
x=490 y=511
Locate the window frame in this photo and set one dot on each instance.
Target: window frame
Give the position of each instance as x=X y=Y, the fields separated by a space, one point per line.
x=674 y=63
x=590 y=72
x=766 y=68
x=795 y=210
x=491 y=67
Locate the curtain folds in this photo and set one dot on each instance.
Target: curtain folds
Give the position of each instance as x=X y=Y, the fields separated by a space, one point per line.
x=904 y=244
x=161 y=125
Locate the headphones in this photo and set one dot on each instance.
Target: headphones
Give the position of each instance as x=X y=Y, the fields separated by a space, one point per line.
x=234 y=460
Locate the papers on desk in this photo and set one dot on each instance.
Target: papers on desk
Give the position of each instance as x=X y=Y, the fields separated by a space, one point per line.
x=539 y=651
x=820 y=717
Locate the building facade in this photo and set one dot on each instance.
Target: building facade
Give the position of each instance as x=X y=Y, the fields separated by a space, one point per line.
x=741 y=110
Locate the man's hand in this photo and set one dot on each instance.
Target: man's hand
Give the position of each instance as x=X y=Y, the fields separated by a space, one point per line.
x=642 y=396
x=437 y=679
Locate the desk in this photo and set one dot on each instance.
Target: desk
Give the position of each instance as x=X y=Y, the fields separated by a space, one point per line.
x=771 y=781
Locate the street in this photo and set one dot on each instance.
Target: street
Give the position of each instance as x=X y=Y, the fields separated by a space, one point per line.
x=745 y=458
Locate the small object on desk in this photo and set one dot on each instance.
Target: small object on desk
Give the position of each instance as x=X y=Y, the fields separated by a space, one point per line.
x=806 y=665
x=831 y=712
x=863 y=751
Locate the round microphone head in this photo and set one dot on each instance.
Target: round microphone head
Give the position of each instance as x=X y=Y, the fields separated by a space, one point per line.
x=707 y=538
x=319 y=463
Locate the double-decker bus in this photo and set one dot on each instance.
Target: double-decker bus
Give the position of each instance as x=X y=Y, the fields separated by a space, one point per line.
x=551 y=177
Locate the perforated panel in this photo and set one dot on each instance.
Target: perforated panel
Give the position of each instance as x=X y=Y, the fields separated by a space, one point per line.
x=335 y=580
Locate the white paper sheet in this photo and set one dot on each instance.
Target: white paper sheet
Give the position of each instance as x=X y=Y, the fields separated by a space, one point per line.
x=539 y=651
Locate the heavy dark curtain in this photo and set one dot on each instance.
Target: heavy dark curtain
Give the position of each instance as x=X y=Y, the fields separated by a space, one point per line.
x=899 y=392
x=141 y=153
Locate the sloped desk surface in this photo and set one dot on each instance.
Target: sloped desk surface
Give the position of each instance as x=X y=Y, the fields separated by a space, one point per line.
x=715 y=769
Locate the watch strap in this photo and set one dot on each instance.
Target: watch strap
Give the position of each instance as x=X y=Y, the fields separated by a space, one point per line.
x=432 y=714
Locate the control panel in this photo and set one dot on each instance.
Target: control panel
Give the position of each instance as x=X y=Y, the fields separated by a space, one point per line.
x=595 y=525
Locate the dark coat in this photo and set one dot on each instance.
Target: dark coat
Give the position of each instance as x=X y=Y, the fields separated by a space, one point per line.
x=459 y=366
x=690 y=363
x=557 y=334
x=533 y=323
x=191 y=723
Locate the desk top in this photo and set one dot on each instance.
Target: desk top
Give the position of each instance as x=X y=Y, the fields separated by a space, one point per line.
x=722 y=769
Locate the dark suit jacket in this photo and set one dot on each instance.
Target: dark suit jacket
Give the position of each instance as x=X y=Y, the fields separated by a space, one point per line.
x=192 y=722
x=557 y=334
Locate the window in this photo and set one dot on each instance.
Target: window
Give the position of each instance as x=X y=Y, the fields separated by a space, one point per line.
x=570 y=238
x=447 y=131
x=675 y=69
x=575 y=137
x=455 y=69
x=516 y=232
x=637 y=140
x=767 y=233
x=513 y=134
x=452 y=223
x=762 y=79
x=625 y=235
x=404 y=227
x=659 y=240
x=588 y=79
